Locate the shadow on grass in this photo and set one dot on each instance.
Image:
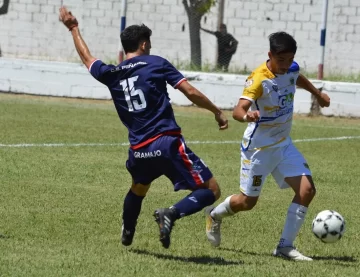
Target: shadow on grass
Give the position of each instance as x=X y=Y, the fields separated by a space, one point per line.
x=240 y=251
x=333 y=258
x=206 y=260
x=2 y=236
x=347 y=259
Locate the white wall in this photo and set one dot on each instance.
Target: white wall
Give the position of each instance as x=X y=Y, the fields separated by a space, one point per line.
x=31 y=30
x=73 y=80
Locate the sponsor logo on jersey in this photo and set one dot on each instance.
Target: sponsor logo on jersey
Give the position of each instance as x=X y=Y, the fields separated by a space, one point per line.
x=286 y=100
x=147 y=155
x=196 y=168
x=248 y=83
x=284 y=111
x=131 y=65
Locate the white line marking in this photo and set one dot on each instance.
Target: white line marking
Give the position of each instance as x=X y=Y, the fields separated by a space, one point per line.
x=25 y=145
x=328 y=126
x=325 y=139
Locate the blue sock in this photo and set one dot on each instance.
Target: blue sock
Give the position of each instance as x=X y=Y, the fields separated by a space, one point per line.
x=131 y=210
x=194 y=202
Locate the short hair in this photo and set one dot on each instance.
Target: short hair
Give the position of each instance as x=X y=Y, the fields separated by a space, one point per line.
x=133 y=35
x=281 y=42
x=222 y=25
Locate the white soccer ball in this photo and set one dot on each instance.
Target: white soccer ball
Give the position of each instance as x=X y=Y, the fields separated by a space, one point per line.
x=328 y=226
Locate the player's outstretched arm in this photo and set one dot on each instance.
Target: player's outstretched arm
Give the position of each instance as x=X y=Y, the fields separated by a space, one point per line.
x=201 y=100
x=207 y=31
x=71 y=23
x=322 y=98
x=241 y=112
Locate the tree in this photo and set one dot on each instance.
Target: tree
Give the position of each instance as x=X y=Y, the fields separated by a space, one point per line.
x=195 y=9
x=4 y=7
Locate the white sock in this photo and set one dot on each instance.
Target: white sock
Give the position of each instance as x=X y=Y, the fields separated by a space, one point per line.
x=222 y=210
x=294 y=220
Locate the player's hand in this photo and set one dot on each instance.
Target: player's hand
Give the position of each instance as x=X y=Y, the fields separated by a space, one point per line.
x=67 y=18
x=323 y=99
x=252 y=116
x=222 y=121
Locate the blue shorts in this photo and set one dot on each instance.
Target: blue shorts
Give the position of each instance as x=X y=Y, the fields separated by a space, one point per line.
x=169 y=156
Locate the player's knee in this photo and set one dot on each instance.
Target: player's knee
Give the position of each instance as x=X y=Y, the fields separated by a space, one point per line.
x=242 y=202
x=215 y=188
x=140 y=189
x=310 y=192
x=217 y=192
x=306 y=195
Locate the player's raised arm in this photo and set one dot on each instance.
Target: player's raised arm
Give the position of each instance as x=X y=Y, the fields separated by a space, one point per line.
x=201 y=100
x=71 y=23
x=207 y=31
x=322 y=98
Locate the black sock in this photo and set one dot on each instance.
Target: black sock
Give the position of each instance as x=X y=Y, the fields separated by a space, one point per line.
x=131 y=210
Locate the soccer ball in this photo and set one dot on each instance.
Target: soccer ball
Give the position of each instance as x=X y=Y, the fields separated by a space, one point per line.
x=328 y=226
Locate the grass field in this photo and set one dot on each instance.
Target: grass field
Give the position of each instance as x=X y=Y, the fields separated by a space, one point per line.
x=63 y=181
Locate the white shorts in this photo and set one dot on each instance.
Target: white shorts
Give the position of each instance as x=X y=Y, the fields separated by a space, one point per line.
x=280 y=162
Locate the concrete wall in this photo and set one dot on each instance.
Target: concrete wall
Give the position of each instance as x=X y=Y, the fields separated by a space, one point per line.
x=31 y=30
x=73 y=80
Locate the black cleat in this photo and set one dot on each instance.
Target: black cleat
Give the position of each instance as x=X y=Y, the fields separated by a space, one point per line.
x=127 y=236
x=165 y=218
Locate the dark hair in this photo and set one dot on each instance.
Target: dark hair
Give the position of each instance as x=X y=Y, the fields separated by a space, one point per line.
x=133 y=35
x=281 y=42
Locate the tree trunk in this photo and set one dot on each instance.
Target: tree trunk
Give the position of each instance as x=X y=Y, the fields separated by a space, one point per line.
x=195 y=42
x=4 y=7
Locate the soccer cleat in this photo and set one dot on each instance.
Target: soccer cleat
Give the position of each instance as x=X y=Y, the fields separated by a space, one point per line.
x=290 y=253
x=127 y=236
x=212 y=228
x=165 y=218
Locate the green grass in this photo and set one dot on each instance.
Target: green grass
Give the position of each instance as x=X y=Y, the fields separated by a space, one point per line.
x=60 y=207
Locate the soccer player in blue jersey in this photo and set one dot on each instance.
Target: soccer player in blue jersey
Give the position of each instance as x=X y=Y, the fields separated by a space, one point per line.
x=138 y=89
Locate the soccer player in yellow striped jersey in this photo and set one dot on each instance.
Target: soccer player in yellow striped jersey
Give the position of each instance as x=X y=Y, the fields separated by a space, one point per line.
x=267 y=106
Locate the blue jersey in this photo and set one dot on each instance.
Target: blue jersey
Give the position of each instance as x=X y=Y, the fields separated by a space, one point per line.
x=138 y=89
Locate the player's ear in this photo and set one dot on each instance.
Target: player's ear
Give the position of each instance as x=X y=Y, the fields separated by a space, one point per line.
x=144 y=46
x=141 y=46
x=270 y=55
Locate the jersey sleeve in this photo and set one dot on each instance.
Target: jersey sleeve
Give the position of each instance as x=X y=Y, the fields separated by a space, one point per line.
x=172 y=76
x=295 y=68
x=100 y=70
x=253 y=88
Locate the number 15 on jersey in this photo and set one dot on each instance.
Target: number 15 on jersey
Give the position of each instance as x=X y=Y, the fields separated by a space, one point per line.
x=135 y=98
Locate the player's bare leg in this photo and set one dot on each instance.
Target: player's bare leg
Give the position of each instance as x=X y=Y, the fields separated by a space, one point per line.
x=304 y=189
x=231 y=205
x=205 y=195
x=131 y=211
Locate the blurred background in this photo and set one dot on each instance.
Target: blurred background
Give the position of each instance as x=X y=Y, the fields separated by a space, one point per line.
x=30 y=29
